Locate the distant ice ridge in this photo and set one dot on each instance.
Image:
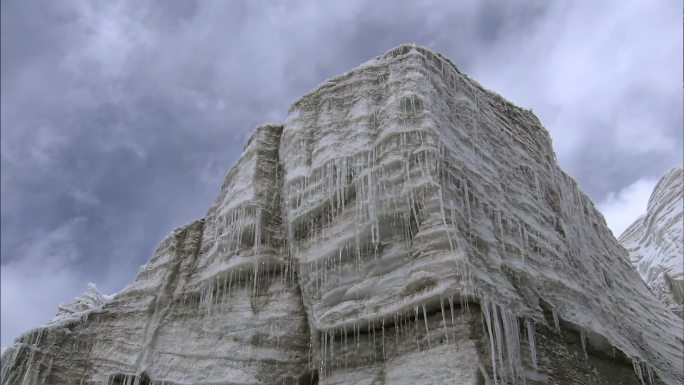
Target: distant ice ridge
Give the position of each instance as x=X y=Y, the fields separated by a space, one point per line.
x=655 y=241
x=89 y=300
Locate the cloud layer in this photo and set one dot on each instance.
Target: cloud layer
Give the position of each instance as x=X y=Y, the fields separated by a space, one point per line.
x=120 y=119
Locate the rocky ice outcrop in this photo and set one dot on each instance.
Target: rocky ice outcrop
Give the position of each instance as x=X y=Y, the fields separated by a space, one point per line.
x=655 y=241
x=404 y=226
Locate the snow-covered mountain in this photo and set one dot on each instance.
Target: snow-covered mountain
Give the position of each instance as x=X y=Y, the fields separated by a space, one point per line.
x=403 y=226
x=655 y=241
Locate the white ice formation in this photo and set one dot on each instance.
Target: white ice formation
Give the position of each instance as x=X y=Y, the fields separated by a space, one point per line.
x=91 y=299
x=403 y=226
x=655 y=241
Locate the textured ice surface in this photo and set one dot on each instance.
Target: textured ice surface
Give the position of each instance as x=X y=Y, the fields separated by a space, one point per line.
x=404 y=226
x=655 y=241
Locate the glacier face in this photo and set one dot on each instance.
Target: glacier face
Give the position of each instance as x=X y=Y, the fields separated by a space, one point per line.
x=655 y=241
x=403 y=226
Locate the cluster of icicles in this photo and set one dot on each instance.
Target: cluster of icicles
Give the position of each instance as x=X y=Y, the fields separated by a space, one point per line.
x=363 y=343
x=251 y=281
x=239 y=229
x=132 y=379
x=500 y=325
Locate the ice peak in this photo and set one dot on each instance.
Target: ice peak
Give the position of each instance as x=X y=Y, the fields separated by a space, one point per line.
x=89 y=300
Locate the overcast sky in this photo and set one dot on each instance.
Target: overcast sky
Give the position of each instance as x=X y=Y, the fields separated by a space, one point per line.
x=120 y=118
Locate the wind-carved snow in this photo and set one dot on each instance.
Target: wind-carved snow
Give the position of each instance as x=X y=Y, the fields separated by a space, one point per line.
x=80 y=306
x=404 y=226
x=655 y=241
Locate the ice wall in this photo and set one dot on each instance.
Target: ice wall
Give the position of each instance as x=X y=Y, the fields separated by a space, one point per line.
x=404 y=226
x=407 y=186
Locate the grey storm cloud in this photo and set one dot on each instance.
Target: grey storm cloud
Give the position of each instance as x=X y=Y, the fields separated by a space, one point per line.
x=120 y=118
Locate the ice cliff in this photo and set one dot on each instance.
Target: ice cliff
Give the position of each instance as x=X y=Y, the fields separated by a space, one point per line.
x=403 y=226
x=655 y=241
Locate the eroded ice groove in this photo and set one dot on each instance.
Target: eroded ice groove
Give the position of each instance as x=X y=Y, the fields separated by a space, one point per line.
x=404 y=226
x=655 y=241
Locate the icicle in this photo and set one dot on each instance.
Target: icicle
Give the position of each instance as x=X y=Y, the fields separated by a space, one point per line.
x=637 y=370
x=441 y=305
x=498 y=333
x=533 y=346
x=452 y=213
x=556 y=321
x=257 y=231
x=384 y=355
x=523 y=246
x=356 y=338
x=332 y=346
x=397 y=328
x=651 y=377
x=644 y=378
x=223 y=288
x=375 y=355
x=230 y=281
x=501 y=230
x=453 y=322
x=446 y=228
x=583 y=339
x=451 y=308
x=512 y=332
x=488 y=320
x=324 y=348
x=467 y=199
x=427 y=330
x=416 y=327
